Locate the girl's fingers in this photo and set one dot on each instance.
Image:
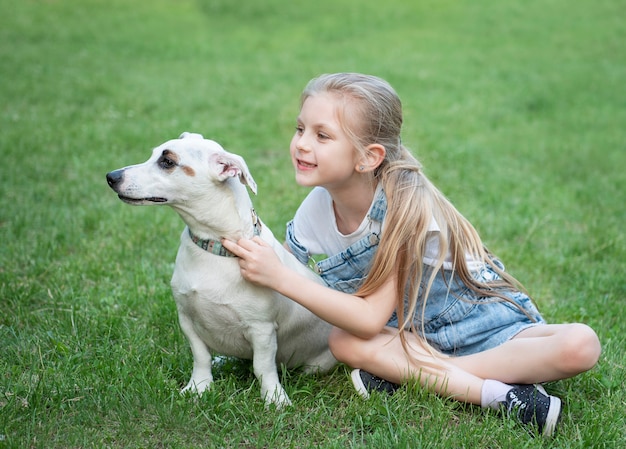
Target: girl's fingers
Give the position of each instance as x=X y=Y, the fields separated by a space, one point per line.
x=259 y=241
x=243 y=246
x=249 y=244
x=233 y=247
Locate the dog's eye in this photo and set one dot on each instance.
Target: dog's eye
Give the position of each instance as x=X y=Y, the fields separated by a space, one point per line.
x=166 y=163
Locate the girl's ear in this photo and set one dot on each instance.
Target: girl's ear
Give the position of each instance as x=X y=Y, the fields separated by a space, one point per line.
x=375 y=155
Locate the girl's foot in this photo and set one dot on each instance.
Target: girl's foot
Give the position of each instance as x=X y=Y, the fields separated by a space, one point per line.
x=365 y=382
x=531 y=405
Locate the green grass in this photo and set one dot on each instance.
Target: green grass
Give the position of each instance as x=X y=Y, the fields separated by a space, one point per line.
x=516 y=109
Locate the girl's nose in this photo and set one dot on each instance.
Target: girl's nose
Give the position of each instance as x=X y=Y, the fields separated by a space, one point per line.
x=301 y=143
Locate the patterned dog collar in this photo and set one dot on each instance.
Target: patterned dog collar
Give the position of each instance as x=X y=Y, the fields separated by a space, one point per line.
x=215 y=246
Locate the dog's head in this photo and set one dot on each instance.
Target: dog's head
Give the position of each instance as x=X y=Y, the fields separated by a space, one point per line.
x=179 y=171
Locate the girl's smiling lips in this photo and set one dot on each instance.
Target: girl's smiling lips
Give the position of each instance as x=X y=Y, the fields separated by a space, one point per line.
x=305 y=165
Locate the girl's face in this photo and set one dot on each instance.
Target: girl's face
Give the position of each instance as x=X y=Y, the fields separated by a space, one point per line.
x=321 y=152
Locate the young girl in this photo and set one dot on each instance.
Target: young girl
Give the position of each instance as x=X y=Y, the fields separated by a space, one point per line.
x=412 y=291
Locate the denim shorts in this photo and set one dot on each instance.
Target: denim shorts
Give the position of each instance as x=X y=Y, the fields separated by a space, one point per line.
x=458 y=322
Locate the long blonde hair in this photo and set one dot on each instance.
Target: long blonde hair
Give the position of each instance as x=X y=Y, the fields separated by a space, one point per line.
x=372 y=113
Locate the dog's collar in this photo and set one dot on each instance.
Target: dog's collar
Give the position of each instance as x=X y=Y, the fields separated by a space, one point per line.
x=215 y=246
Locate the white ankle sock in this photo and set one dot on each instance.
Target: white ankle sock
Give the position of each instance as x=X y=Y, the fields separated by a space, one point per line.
x=493 y=393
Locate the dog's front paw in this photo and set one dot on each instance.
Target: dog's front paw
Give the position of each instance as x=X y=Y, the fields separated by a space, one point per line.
x=197 y=386
x=278 y=397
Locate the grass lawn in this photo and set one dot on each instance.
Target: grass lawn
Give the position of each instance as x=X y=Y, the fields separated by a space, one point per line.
x=517 y=111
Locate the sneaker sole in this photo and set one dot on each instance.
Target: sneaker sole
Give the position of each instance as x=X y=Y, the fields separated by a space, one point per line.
x=554 y=413
x=358 y=384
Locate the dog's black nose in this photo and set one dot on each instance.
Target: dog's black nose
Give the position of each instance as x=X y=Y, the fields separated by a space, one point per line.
x=115 y=177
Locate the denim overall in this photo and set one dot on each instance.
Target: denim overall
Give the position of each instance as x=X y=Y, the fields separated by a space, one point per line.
x=455 y=320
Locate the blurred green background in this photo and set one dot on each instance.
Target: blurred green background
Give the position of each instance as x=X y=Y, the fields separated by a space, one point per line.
x=517 y=111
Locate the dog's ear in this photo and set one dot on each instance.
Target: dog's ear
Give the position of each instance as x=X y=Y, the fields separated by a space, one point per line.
x=228 y=165
x=187 y=135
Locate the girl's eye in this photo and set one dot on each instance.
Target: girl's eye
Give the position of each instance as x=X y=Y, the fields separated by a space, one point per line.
x=322 y=136
x=299 y=129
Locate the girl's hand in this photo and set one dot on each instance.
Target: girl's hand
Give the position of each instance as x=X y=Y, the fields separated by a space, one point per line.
x=258 y=262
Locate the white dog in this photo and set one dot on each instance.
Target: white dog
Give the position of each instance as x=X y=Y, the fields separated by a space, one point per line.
x=218 y=310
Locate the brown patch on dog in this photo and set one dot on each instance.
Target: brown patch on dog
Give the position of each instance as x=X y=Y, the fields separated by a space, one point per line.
x=188 y=170
x=170 y=154
x=168 y=161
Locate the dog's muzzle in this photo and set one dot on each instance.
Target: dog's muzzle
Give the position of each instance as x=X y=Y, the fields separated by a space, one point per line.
x=115 y=179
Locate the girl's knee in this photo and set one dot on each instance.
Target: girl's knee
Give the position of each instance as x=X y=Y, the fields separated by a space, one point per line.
x=582 y=348
x=345 y=347
x=338 y=342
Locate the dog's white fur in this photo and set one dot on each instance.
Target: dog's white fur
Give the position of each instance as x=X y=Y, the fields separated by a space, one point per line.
x=218 y=310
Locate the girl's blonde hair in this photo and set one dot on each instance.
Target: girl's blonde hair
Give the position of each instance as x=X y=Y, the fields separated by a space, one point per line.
x=371 y=112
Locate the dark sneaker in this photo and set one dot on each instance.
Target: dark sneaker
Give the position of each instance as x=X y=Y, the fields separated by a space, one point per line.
x=531 y=405
x=365 y=382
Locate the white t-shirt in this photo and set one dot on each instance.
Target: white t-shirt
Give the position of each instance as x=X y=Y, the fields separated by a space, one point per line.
x=315 y=228
x=315 y=225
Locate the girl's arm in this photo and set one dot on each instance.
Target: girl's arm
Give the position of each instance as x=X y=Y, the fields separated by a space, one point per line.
x=364 y=317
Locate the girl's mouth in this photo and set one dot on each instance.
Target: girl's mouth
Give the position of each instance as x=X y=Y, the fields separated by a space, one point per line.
x=305 y=165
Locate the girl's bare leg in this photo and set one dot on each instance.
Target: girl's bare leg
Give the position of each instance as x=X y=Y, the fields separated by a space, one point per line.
x=538 y=354
x=385 y=357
